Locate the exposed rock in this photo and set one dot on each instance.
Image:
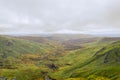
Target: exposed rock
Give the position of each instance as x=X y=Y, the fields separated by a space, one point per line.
x=14 y=78
x=114 y=52
x=48 y=78
x=1 y=63
x=52 y=66
x=9 y=43
x=117 y=55
x=3 y=78
x=106 y=57
x=4 y=55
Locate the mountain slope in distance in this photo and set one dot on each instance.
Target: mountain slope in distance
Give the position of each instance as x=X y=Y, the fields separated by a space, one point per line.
x=10 y=46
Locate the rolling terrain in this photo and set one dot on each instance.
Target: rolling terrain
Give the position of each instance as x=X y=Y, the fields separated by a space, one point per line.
x=60 y=57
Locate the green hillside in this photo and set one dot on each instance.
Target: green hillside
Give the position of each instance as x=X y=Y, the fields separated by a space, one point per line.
x=31 y=59
x=24 y=59
x=95 y=62
x=14 y=47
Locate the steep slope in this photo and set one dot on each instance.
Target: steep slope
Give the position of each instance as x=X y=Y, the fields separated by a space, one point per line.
x=23 y=59
x=10 y=46
x=93 y=62
x=111 y=53
x=105 y=62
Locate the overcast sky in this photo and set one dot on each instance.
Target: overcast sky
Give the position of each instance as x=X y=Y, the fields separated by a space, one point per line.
x=60 y=16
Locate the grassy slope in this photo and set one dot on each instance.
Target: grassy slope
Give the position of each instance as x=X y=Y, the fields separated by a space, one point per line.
x=13 y=47
x=21 y=57
x=84 y=62
x=75 y=64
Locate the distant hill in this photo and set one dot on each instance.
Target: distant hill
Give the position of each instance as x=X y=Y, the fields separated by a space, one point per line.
x=34 y=38
x=64 y=37
x=73 y=44
x=10 y=46
x=68 y=41
x=108 y=39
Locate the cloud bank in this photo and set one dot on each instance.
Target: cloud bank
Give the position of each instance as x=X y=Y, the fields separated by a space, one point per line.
x=59 y=16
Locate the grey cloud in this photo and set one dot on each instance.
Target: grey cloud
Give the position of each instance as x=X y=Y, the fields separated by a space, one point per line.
x=34 y=16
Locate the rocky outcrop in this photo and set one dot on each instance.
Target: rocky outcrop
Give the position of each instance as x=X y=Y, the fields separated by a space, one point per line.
x=46 y=76
x=52 y=66
x=1 y=63
x=5 y=78
x=106 y=59
x=111 y=53
x=9 y=42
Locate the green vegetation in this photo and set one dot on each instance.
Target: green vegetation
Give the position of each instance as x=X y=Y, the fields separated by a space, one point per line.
x=91 y=62
x=13 y=47
x=29 y=60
